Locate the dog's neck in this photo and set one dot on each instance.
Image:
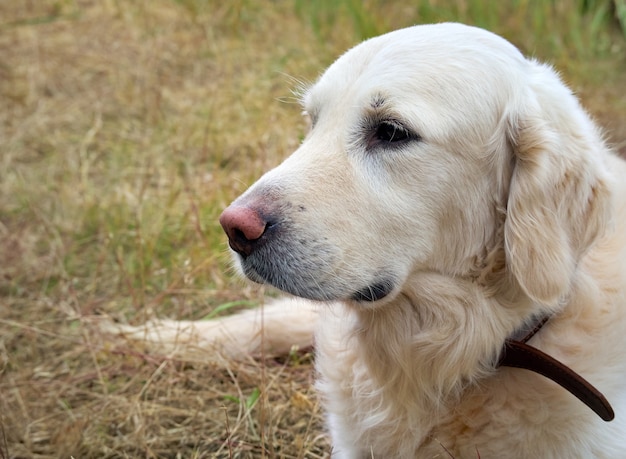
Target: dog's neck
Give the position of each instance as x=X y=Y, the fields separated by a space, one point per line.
x=517 y=353
x=402 y=342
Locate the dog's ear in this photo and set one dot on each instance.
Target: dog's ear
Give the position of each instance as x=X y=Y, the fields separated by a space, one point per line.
x=559 y=198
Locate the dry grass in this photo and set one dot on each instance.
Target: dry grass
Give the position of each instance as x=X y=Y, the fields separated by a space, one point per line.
x=125 y=128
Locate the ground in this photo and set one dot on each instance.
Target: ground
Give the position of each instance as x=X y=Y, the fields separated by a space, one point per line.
x=125 y=129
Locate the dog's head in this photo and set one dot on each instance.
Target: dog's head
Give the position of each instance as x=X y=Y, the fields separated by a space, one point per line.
x=429 y=147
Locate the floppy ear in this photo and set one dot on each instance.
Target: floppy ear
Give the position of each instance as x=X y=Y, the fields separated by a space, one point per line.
x=559 y=198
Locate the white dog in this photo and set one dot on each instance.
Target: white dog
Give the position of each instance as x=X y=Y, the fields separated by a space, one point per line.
x=450 y=195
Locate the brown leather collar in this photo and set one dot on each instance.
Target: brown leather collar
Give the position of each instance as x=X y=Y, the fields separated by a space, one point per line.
x=516 y=353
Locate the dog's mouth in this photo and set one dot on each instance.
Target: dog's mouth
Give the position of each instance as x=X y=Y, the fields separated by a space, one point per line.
x=301 y=281
x=305 y=284
x=373 y=292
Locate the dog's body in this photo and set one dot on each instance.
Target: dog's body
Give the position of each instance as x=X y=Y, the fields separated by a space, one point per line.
x=449 y=190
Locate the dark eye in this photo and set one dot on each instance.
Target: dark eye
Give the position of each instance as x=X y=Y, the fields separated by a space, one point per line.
x=389 y=133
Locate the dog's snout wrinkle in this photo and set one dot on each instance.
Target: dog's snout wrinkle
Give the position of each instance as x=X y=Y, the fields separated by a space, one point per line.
x=244 y=226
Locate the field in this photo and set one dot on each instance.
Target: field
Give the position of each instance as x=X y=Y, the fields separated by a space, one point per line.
x=126 y=126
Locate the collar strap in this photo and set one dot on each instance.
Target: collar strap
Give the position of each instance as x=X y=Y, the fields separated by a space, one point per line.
x=516 y=353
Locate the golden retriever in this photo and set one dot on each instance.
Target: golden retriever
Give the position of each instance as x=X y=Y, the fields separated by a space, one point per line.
x=449 y=192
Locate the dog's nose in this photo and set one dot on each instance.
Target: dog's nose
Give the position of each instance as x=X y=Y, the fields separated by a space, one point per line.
x=243 y=226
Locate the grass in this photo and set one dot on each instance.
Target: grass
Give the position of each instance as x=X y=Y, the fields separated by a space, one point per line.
x=125 y=128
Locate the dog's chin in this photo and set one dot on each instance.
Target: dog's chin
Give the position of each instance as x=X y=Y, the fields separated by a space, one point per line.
x=291 y=284
x=368 y=296
x=372 y=293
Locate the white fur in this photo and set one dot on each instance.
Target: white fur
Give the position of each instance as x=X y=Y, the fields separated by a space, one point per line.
x=505 y=202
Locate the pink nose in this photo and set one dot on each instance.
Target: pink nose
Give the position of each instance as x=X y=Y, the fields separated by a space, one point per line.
x=244 y=227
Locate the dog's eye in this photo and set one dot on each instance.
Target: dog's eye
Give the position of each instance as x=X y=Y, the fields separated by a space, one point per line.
x=389 y=133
